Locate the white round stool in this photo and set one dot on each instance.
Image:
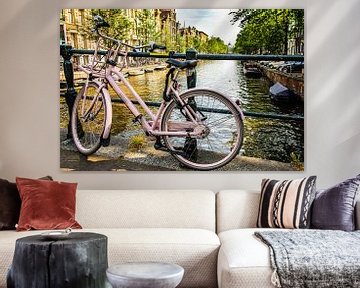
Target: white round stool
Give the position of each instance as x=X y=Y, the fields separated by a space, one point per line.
x=145 y=275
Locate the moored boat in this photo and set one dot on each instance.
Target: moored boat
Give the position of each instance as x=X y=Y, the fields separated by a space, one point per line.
x=280 y=93
x=251 y=71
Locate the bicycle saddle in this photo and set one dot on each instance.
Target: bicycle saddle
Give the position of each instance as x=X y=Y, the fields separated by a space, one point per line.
x=182 y=64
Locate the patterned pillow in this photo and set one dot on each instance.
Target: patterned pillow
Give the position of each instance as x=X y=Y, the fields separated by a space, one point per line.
x=286 y=204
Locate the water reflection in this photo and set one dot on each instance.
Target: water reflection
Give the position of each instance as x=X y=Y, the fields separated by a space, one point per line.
x=263 y=138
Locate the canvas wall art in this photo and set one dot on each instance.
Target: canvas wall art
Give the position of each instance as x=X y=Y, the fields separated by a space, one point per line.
x=182 y=89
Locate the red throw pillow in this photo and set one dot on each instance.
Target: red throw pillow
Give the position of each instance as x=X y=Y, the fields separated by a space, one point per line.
x=10 y=204
x=46 y=204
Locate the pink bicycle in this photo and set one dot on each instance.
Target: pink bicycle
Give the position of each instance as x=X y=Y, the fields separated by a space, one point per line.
x=201 y=128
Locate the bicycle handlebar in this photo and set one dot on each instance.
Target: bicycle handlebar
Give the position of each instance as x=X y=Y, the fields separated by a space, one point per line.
x=152 y=45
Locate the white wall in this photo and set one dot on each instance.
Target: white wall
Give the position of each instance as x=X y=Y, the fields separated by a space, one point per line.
x=29 y=106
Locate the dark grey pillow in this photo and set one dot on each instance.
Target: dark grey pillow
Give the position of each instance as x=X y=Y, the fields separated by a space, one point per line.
x=334 y=208
x=9 y=205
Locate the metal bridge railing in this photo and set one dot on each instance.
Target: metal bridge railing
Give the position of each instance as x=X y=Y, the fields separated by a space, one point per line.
x=67 y=52
x=191 y=54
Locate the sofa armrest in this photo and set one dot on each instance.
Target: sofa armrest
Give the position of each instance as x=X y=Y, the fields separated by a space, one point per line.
x=357 y=215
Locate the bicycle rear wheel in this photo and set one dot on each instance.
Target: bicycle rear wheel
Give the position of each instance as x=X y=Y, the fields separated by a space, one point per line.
x=88 y=119
x=217 y=117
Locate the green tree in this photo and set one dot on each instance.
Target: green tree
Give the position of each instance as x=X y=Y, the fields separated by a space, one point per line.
x=200 y=46
x=167 y=37
x=146 y=26
x=266 y=30
x=197 y=43
x=180 y=44
x=216 y=45
x=119 y=23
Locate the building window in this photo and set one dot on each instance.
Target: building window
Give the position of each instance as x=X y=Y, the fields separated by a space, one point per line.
x=82 y=17
x=71 y=16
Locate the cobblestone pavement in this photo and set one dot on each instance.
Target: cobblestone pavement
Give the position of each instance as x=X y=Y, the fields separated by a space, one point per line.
x=117 y=157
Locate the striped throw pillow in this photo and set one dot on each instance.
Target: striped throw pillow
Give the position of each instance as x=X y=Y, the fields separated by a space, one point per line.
x=286 y=204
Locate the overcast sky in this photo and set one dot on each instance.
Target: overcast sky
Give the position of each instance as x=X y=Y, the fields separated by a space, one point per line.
x=214 y=22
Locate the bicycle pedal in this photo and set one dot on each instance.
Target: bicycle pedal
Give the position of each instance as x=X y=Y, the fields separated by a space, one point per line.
x=105 y=142
x=158 y=145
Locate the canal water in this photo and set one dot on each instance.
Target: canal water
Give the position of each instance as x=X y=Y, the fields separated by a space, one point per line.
x=281 y=140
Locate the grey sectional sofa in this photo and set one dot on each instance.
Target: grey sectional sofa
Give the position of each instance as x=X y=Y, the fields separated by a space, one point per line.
x=210 y=235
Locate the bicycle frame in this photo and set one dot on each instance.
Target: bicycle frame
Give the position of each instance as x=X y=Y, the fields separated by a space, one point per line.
x=151 y=127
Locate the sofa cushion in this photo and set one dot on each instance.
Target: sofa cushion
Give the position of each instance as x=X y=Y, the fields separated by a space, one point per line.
x=146 y=209
x=236 y=209
x=244 y=261
x=46 y=204
x=286 y=204
x=334 y=208
x=196 y=250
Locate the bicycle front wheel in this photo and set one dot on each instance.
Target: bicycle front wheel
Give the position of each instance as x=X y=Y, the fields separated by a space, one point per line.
x=88 y=119
x=220 y=122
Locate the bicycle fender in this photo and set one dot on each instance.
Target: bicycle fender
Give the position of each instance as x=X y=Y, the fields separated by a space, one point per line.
x=108 y=115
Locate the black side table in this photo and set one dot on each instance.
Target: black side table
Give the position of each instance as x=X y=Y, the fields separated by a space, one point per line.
x=78 y=261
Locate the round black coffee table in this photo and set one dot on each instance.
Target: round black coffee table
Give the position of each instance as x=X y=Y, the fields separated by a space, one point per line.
x=79 y=260
x=145 y=275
